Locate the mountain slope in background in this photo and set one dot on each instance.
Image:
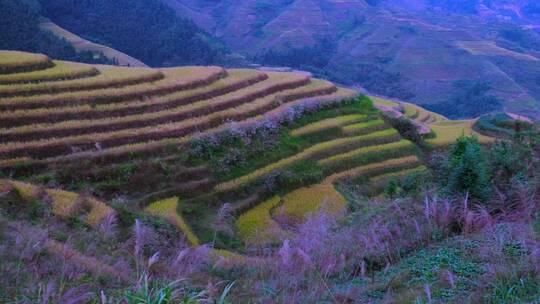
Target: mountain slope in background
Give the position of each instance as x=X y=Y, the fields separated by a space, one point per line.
x=82 y=45
x=20 y=30
x=144 y=29
x=419 y=50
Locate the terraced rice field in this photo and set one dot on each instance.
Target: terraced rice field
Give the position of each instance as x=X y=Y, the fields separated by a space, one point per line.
x=57 y=113
x=256 y=226
x=421 y=115
x=444 y=131
x=167 y=209
x=323 y=197
x=62 y=70
x=64 y=204
x=51 y=111
x=409 y=110
x=14 y=61
x=376 y=151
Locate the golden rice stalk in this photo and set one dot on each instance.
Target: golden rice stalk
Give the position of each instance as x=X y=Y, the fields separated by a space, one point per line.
x=235 y=79
x=108 y=76
x=64 y=203
x=364 y=150
x=371 y=168
x=177 y=79
x=313 y=152
x=28 y=192
x=15 y=61
x=322 y=197
x=364 y=127
x=447 y=132
x=60 y=71
x=327 y=124
x=257 y=227
x=99 y=211
x=167 y=209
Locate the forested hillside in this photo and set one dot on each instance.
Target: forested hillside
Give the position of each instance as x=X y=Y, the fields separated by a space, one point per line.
x=144 y=29
x=19 y=30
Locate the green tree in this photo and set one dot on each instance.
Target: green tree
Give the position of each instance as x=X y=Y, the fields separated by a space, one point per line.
x=466 y=169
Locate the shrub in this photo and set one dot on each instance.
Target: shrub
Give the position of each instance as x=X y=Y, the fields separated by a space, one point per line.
x=466 y=169
x=406 y=128
x=500 y=124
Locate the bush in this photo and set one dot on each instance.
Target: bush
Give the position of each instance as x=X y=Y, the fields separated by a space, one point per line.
x=406 y=128
x=466 y=169
x=502 y=125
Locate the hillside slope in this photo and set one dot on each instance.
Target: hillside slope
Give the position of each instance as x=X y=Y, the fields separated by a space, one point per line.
x=81 y=45
x=413 y=50
x=168 y=138
x=20 y=30
x=112 y=176
x=146 y=30
x=115 y=108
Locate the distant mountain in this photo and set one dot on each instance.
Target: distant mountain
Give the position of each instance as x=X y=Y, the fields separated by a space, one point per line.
x=420 y=50
x=20 y=30
x=83 y=45
x=144 y=29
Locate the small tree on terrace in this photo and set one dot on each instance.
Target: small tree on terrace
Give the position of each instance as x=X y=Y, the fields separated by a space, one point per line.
x=466 y=169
